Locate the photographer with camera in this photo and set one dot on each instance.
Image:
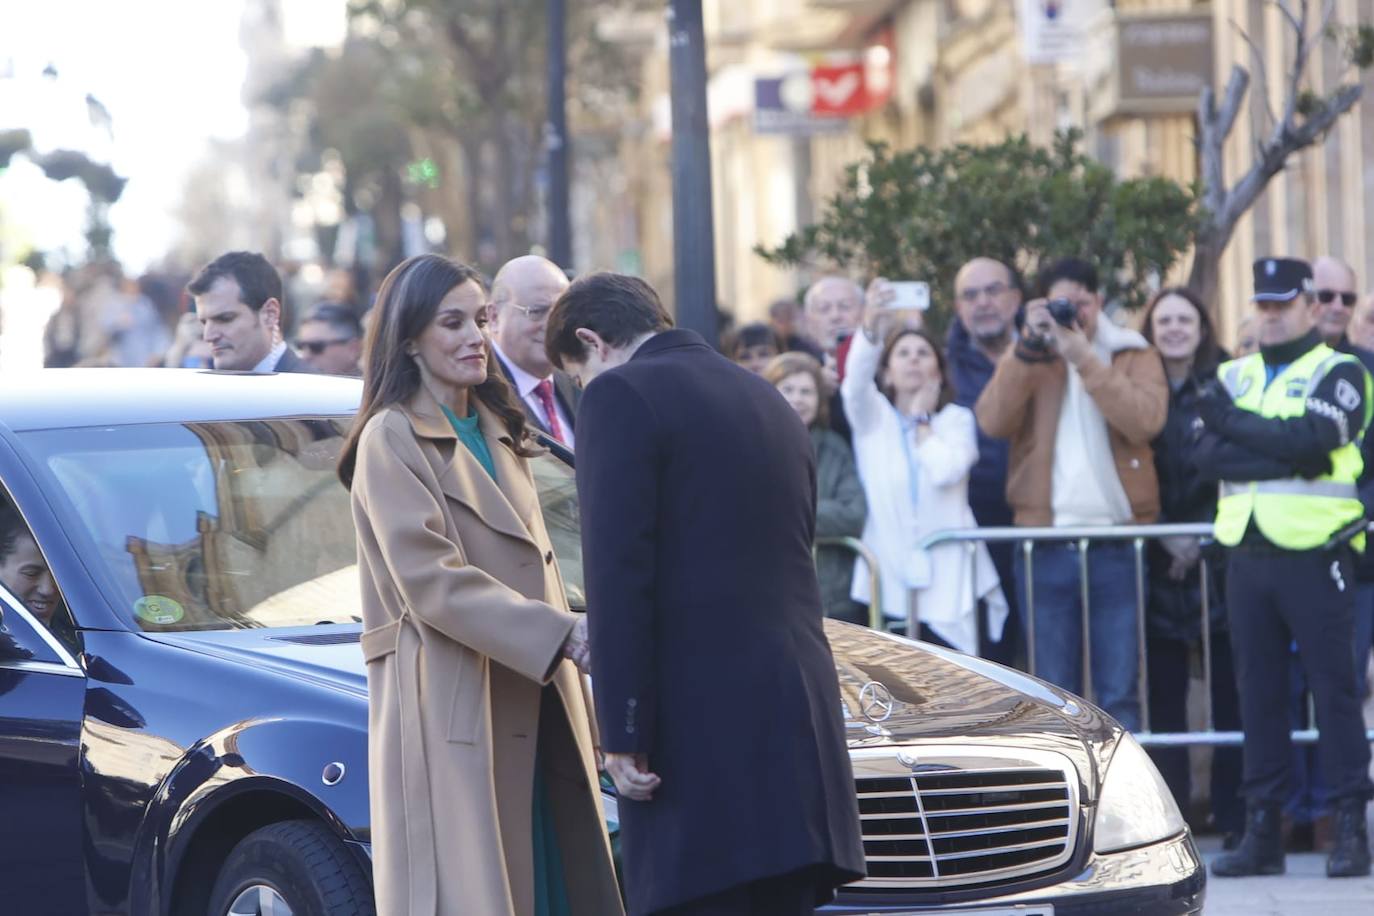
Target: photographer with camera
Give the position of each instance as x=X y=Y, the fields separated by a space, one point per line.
x=1081 y=399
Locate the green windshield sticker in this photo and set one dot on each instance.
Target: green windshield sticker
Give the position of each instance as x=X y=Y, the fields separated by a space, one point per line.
x=159 y=609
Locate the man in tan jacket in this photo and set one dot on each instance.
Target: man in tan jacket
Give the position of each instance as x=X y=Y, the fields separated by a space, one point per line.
x=1080 y=399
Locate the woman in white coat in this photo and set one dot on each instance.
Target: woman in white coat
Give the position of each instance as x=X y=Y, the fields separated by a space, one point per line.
x=914 y=449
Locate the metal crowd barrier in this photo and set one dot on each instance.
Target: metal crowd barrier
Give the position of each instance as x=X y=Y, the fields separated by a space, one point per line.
x=875 y=610
x=1084 y=537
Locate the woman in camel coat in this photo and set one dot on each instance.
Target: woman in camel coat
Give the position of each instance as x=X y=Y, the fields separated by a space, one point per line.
x=483 y=787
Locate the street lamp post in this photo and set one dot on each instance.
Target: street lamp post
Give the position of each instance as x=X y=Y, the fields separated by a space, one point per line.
x=694 y=264
x=556 y=137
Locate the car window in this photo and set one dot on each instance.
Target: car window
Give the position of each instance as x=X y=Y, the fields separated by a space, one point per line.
x=558 y=496
x=26 y=578
x=236 y=525
x=20 y=639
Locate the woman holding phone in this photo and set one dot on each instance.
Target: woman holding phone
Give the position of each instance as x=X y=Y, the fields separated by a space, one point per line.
x=915 y=448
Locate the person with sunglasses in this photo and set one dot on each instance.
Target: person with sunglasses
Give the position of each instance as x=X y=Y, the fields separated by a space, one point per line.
x=1334 y=290
x=1335 y=287
x=331 y=340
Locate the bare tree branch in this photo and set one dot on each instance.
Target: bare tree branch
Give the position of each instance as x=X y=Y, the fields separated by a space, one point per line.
x=1288 y=13
x=1301 y=51
x=1322 y=121
x=1215 y=126
x=1257 y=61
x=1328 y=13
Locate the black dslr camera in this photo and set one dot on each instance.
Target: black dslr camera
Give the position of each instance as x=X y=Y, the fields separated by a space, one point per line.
x=1063 y=312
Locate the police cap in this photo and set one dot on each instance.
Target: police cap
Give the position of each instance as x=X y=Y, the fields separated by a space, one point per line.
x=1281 y=279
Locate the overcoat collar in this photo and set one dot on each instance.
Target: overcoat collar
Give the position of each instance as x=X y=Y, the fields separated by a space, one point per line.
x=506 y=504
x=669 y=340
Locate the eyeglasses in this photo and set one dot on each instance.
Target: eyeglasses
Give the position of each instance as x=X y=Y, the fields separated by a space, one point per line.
x=533 y=312
x=316 y=347
x=1326 y=296
x=992 y=291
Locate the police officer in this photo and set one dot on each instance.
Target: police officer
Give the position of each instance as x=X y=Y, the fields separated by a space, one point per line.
x=1282 y=433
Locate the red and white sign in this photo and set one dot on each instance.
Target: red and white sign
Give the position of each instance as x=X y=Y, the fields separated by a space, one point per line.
x=839 y=91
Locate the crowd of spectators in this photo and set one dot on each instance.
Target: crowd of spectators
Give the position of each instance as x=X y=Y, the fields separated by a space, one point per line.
x=1040 y=411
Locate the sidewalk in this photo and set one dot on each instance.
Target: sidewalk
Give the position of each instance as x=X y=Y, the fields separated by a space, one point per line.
x=1303 y=891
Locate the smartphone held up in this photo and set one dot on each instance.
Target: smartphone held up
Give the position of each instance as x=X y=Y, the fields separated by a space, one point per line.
x=909 y=294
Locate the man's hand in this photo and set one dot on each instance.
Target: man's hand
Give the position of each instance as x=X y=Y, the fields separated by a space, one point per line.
x=1315 y=467
x=578 y=647
x=630 y=773
x=1038 y=331
x=1072 y=343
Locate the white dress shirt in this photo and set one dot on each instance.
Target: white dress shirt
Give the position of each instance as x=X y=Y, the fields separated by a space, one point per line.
x=525 y=385
x=269 y=362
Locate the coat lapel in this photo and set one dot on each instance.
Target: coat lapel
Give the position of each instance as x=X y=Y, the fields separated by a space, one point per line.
x=505 y=508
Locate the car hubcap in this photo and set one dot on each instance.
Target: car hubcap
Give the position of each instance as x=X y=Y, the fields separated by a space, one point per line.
x=259 y=900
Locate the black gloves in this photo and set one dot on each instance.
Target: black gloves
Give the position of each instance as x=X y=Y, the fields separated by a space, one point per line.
x=1213 y=405
x=1313 y=468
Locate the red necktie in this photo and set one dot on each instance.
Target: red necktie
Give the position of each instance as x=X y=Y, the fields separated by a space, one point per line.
x=544 y=391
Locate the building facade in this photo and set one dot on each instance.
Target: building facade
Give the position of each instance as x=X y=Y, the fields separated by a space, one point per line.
x=975 y=71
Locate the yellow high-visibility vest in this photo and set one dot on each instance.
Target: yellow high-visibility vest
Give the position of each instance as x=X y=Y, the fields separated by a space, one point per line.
x=1293 y=513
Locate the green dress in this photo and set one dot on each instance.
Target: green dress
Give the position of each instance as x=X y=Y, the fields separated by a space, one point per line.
x=550 y=890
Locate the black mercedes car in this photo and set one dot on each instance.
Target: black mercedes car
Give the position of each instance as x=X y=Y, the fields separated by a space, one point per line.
x=184 y=730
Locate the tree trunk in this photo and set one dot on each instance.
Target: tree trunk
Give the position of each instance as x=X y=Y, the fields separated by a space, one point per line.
x=1205 y=277
x=387 y=217
x=475 y=175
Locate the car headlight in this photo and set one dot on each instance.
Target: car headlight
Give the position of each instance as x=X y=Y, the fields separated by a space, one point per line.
x=1136 y=807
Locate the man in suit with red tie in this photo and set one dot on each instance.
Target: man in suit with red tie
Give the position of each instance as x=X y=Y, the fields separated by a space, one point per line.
x=521 y=296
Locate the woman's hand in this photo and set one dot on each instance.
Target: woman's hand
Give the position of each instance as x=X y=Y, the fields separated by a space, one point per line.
x=578 y=647
x=877 y=316
x=880 y=317
x=1184 y=552
x=928 y=397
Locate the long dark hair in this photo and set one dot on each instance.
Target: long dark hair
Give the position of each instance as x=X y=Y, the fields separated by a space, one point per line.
x=947 y=392
x=1209 y=354
x=406 y=303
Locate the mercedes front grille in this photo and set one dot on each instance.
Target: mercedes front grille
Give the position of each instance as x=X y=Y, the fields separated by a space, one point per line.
x=942 y=816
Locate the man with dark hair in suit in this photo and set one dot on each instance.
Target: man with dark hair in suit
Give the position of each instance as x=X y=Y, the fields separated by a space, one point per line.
x=521 y=296
x=697 y=488
x=238 y=300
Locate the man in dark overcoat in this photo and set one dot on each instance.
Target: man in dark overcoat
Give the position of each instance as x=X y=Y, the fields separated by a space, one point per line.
x=715 y=687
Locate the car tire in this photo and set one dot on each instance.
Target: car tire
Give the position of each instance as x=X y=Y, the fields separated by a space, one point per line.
x=300 y=863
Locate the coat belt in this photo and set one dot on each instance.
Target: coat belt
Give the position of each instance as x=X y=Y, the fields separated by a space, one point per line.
x=380 y=641
x=415 y=798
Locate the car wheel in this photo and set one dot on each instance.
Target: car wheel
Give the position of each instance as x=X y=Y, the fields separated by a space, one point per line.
x=294 y=868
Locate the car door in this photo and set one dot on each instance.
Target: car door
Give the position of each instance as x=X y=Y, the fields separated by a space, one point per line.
x=41 y=696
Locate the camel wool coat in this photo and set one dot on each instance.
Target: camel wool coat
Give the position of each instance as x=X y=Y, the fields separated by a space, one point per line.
x=464 y=620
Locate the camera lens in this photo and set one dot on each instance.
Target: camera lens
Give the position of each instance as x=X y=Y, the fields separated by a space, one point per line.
x=1063 y=311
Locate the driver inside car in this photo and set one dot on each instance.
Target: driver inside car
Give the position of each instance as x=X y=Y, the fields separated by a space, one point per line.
x=22 y=568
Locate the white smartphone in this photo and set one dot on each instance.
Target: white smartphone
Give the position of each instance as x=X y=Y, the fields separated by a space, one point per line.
x=910 y=294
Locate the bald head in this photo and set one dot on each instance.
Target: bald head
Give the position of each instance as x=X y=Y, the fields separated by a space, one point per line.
x=833 y=307
x=1334 y=281
x=521 y=295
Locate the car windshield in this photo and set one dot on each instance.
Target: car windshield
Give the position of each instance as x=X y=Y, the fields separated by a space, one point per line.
x=234 y=525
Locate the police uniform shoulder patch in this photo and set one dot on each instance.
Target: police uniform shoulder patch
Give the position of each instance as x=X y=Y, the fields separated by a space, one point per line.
x=1347 y=396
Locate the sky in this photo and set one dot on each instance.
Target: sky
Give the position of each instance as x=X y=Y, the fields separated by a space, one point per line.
x=170 y=73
